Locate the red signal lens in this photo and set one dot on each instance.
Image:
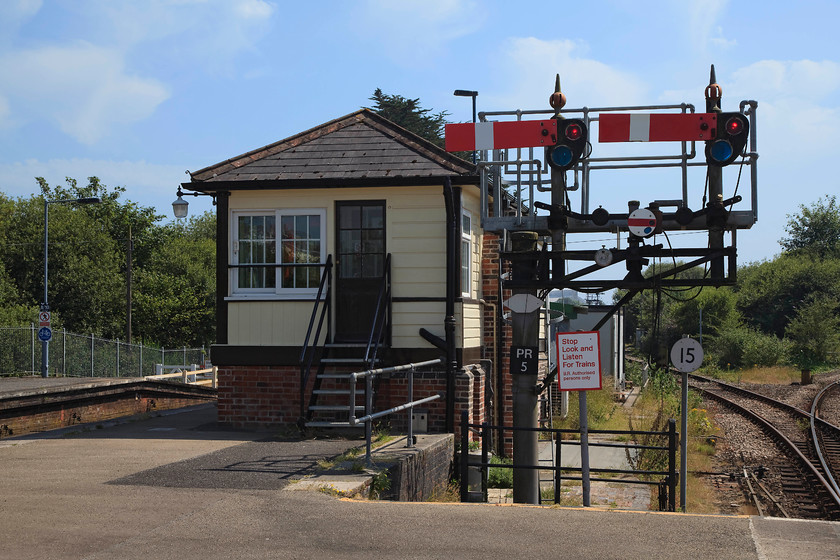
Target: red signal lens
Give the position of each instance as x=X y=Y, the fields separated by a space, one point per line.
x=734 y=126
x=574 y=131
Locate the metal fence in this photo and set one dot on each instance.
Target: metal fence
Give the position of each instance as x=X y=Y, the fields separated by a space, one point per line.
x=75 y=355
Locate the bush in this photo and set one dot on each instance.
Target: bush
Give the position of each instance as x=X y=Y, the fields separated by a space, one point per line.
x=500 y=477
x=741 y=346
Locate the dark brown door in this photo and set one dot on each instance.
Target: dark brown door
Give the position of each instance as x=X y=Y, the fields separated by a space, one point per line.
x=360 y=266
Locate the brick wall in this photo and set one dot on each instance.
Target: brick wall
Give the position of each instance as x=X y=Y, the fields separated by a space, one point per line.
x=259 y=396
x=420 y=475
x=89 y=409
x=502 y=405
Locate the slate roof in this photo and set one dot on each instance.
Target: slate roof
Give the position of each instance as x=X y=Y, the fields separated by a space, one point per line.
x=358 y=146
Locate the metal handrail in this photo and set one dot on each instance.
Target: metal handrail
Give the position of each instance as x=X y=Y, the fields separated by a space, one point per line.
x=381 y=316
x=307 y=352
x=670 y=475
x=370 y=416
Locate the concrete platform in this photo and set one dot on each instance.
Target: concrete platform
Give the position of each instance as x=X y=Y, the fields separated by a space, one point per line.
x=177 y=486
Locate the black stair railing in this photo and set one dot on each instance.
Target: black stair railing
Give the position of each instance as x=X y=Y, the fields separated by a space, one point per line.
x=322 y=313
x=379 y=330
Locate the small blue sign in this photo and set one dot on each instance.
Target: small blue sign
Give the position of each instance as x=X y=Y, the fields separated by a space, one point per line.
x=44 y=334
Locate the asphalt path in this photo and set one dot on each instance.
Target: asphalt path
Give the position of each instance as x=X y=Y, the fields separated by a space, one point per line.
x=177 y=487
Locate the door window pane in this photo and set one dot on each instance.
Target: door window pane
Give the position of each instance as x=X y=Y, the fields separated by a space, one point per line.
x=372 y=217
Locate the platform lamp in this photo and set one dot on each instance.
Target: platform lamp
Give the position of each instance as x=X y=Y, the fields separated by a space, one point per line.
x=181 y=207
x=45 y=334
x=473 y=94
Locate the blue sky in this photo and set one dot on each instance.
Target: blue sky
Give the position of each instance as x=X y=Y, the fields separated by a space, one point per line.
x=138 y=92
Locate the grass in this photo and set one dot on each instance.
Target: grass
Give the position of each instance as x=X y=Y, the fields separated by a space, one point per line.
x=603 y=412
x=778 y=375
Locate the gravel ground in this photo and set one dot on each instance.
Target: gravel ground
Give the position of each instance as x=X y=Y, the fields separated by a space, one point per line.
x=741 y=445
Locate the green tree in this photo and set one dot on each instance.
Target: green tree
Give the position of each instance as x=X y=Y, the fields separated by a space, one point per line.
x=410 y=115
x=815 y=331
x=815 y=230
x=770 y=291
x=175 y=302
x=654 y=312
x=84 y=262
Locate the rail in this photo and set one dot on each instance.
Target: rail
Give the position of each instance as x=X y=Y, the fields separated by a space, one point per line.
x=381 y=315
x=370 y=416
x=669 y=483
x=829 y=475
x=187 y=376
x=323 y=302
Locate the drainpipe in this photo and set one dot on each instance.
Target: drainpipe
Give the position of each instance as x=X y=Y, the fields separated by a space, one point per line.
x=449 y=319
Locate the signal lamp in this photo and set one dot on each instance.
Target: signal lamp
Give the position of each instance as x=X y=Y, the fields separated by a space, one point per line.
x=571 y=143
x=730 y=139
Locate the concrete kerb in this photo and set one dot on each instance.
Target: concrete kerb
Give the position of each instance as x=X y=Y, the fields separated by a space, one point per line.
x=350 y=478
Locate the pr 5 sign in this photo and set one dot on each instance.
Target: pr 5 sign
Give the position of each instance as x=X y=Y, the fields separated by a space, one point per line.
x=524 y=360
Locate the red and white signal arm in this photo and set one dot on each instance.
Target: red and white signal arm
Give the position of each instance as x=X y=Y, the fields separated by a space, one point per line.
x=466 y=137
x=656 y=127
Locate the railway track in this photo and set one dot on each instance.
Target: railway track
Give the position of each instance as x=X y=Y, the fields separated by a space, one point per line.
x=808 y=465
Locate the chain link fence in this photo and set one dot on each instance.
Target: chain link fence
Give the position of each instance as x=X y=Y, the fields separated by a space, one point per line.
x=74 y=355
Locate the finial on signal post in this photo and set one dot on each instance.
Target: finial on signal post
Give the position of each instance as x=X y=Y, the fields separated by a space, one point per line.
x=713 y=93
x=557 y=99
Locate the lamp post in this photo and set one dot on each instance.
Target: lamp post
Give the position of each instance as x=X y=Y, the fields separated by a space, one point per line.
x=45 y=306
x=473 y=94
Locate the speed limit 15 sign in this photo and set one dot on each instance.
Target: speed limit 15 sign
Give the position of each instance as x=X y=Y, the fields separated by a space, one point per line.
x=686 y=355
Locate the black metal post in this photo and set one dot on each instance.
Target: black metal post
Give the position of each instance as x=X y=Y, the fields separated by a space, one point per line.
x=465 y=454
x=672 y=465
x=485 y=457
x=558 y=475
x=449 y=319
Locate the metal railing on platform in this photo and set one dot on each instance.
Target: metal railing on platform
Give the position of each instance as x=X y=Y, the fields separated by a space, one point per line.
x=370 y=416
x=667 y=485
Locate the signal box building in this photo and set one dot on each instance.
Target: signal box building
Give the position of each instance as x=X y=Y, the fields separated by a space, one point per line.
x=343 y=248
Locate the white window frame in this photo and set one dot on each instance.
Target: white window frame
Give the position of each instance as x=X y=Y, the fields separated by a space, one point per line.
x=278 y=292
x=466 y=237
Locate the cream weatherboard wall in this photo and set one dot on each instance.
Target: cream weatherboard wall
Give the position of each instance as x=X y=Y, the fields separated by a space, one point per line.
x=416 y=238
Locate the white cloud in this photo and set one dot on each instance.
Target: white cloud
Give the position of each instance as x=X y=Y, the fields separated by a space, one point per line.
x=83 y=88
x=207 y=34
x=703 y=30
x=5 y=113
x=415 y=32
x=777 y=79
x=14 y=12
x=529 y=66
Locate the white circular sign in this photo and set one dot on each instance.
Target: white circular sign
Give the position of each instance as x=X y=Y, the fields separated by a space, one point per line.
x=686 y=355
x=641 y=222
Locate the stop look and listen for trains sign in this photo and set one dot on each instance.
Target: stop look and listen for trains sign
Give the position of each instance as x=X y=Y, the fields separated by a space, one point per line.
x=579 y=361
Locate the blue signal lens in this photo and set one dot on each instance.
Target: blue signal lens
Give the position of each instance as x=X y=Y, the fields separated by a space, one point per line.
x=561 y=156
x=721 y=150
